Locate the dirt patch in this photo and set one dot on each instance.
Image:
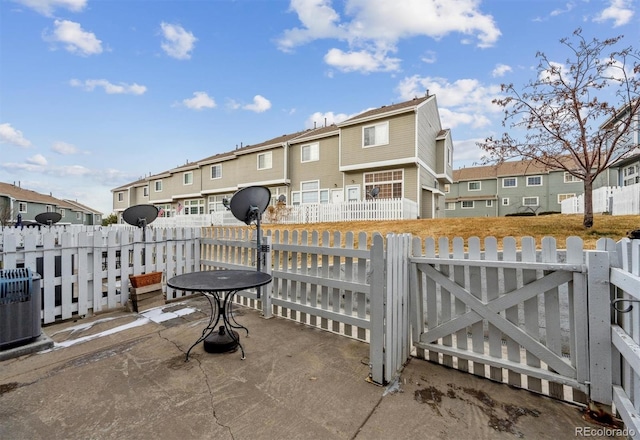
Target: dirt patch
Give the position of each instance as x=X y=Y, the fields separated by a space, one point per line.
x=502 y=417
x=7 y=387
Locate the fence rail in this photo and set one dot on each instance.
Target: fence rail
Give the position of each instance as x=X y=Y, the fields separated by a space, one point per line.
x=88 y=271
x=376 y=209
x=625 y=328
x=541 y=320
x=616 y=200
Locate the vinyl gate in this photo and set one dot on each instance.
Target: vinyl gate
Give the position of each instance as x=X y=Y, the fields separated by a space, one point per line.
x=520 y=317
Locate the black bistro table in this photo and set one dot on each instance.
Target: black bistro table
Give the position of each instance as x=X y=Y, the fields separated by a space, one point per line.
x=219 y=287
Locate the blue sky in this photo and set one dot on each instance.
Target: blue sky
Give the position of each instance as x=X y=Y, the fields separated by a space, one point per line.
x=98 y=93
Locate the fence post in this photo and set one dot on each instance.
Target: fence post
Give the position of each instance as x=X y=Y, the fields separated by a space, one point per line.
x=599 y=303
x=267 y=311
x=377 y=283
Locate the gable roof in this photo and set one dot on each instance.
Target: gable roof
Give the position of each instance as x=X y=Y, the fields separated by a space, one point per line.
x=80 y=207
x=27 y=195
x=386 y=110
x=504 y=169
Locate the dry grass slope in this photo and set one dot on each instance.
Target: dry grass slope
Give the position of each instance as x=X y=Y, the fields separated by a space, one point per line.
x=558 y=226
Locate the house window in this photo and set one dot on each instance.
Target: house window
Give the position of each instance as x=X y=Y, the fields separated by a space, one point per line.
x=570 y=178
x=22 y=207
x=62 y=213
x=216 y=171
x=50 y=208
x=473 y=186
x=120 y=196
x=530 y=201
x=78 y=216
x=165 y=210
x=389 y=184
x=534 y=180
x=467 y=204
x=309 y=191
x=562 y=197
x=509 y=182
x=264 y=161
x=450 y=206
x=505 y=201
x=324 y=196
x=187 y=178
x=489 y=203
x=449 y=157
x=630 y=170
x=310 y=153
x=295 y=198
x=447 y=188
x=193 y=207
x=157 y=185
x=145 y=191
x=373 y=135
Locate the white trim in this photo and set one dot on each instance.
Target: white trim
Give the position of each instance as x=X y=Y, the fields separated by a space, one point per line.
x=380 y=116
x=473 y=203
x=211 y=171
x=537 y=175
x=258 y=161
x=479 y=182
x=375 y=127
x=219 y=190
x=531 y=197
x=514 y=178
x=184 y=196
x=184 y=174
x=386 y=163
x=310 y=145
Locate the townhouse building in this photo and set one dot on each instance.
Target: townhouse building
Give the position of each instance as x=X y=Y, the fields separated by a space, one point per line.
x=400 y=149
x=15 y=200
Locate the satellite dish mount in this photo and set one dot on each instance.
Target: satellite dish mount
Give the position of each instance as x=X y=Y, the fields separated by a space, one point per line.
x=140 y=216
x=247 y=205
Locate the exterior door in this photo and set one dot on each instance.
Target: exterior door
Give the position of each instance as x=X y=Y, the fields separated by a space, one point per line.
x=337 y=196
x=353 y=193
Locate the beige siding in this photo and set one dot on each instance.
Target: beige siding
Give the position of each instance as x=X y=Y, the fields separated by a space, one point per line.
x=428 y=128
x=401 y=141
x=247 y=172
x=229 y=177
x=324 y=169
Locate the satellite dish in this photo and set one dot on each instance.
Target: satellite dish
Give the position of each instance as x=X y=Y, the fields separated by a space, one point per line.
x=48 y=218
x=282 y=198
x=248 y=204
x=374 y=192
x=140 y=215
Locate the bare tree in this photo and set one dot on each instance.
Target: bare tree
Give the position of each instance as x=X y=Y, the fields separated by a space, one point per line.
x=576 y=116
x=5 y=213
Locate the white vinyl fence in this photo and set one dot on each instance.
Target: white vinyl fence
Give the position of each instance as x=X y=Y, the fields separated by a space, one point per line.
x=88 y=271
x=616 y=200
x=533 y=317
x=376 y=209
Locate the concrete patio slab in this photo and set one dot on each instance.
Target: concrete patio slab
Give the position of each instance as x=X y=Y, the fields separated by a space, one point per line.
x=123 y=375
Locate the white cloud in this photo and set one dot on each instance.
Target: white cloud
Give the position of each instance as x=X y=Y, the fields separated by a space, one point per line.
x=467 y=153
x=64 y=148
x=260 y=104
x=429 y=57
x=75 y=39
x=361 y=61
x=38 y=160
x=463 y=102
x=501 y=70
x=199 y=101
x=319 y=119
x=567 y=8
x=47 y=7
x=620 y=11
x=376 y=26
x=9 y=135
x=110 y=88
x=177 y=43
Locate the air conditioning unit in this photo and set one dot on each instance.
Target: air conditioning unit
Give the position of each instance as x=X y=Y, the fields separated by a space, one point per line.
x=19 y=307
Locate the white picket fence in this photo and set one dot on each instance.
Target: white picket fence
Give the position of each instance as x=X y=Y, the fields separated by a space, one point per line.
x=533 y=316
x=625 y=329
x=88 y=271
x=376 y=209
x=617 y=200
